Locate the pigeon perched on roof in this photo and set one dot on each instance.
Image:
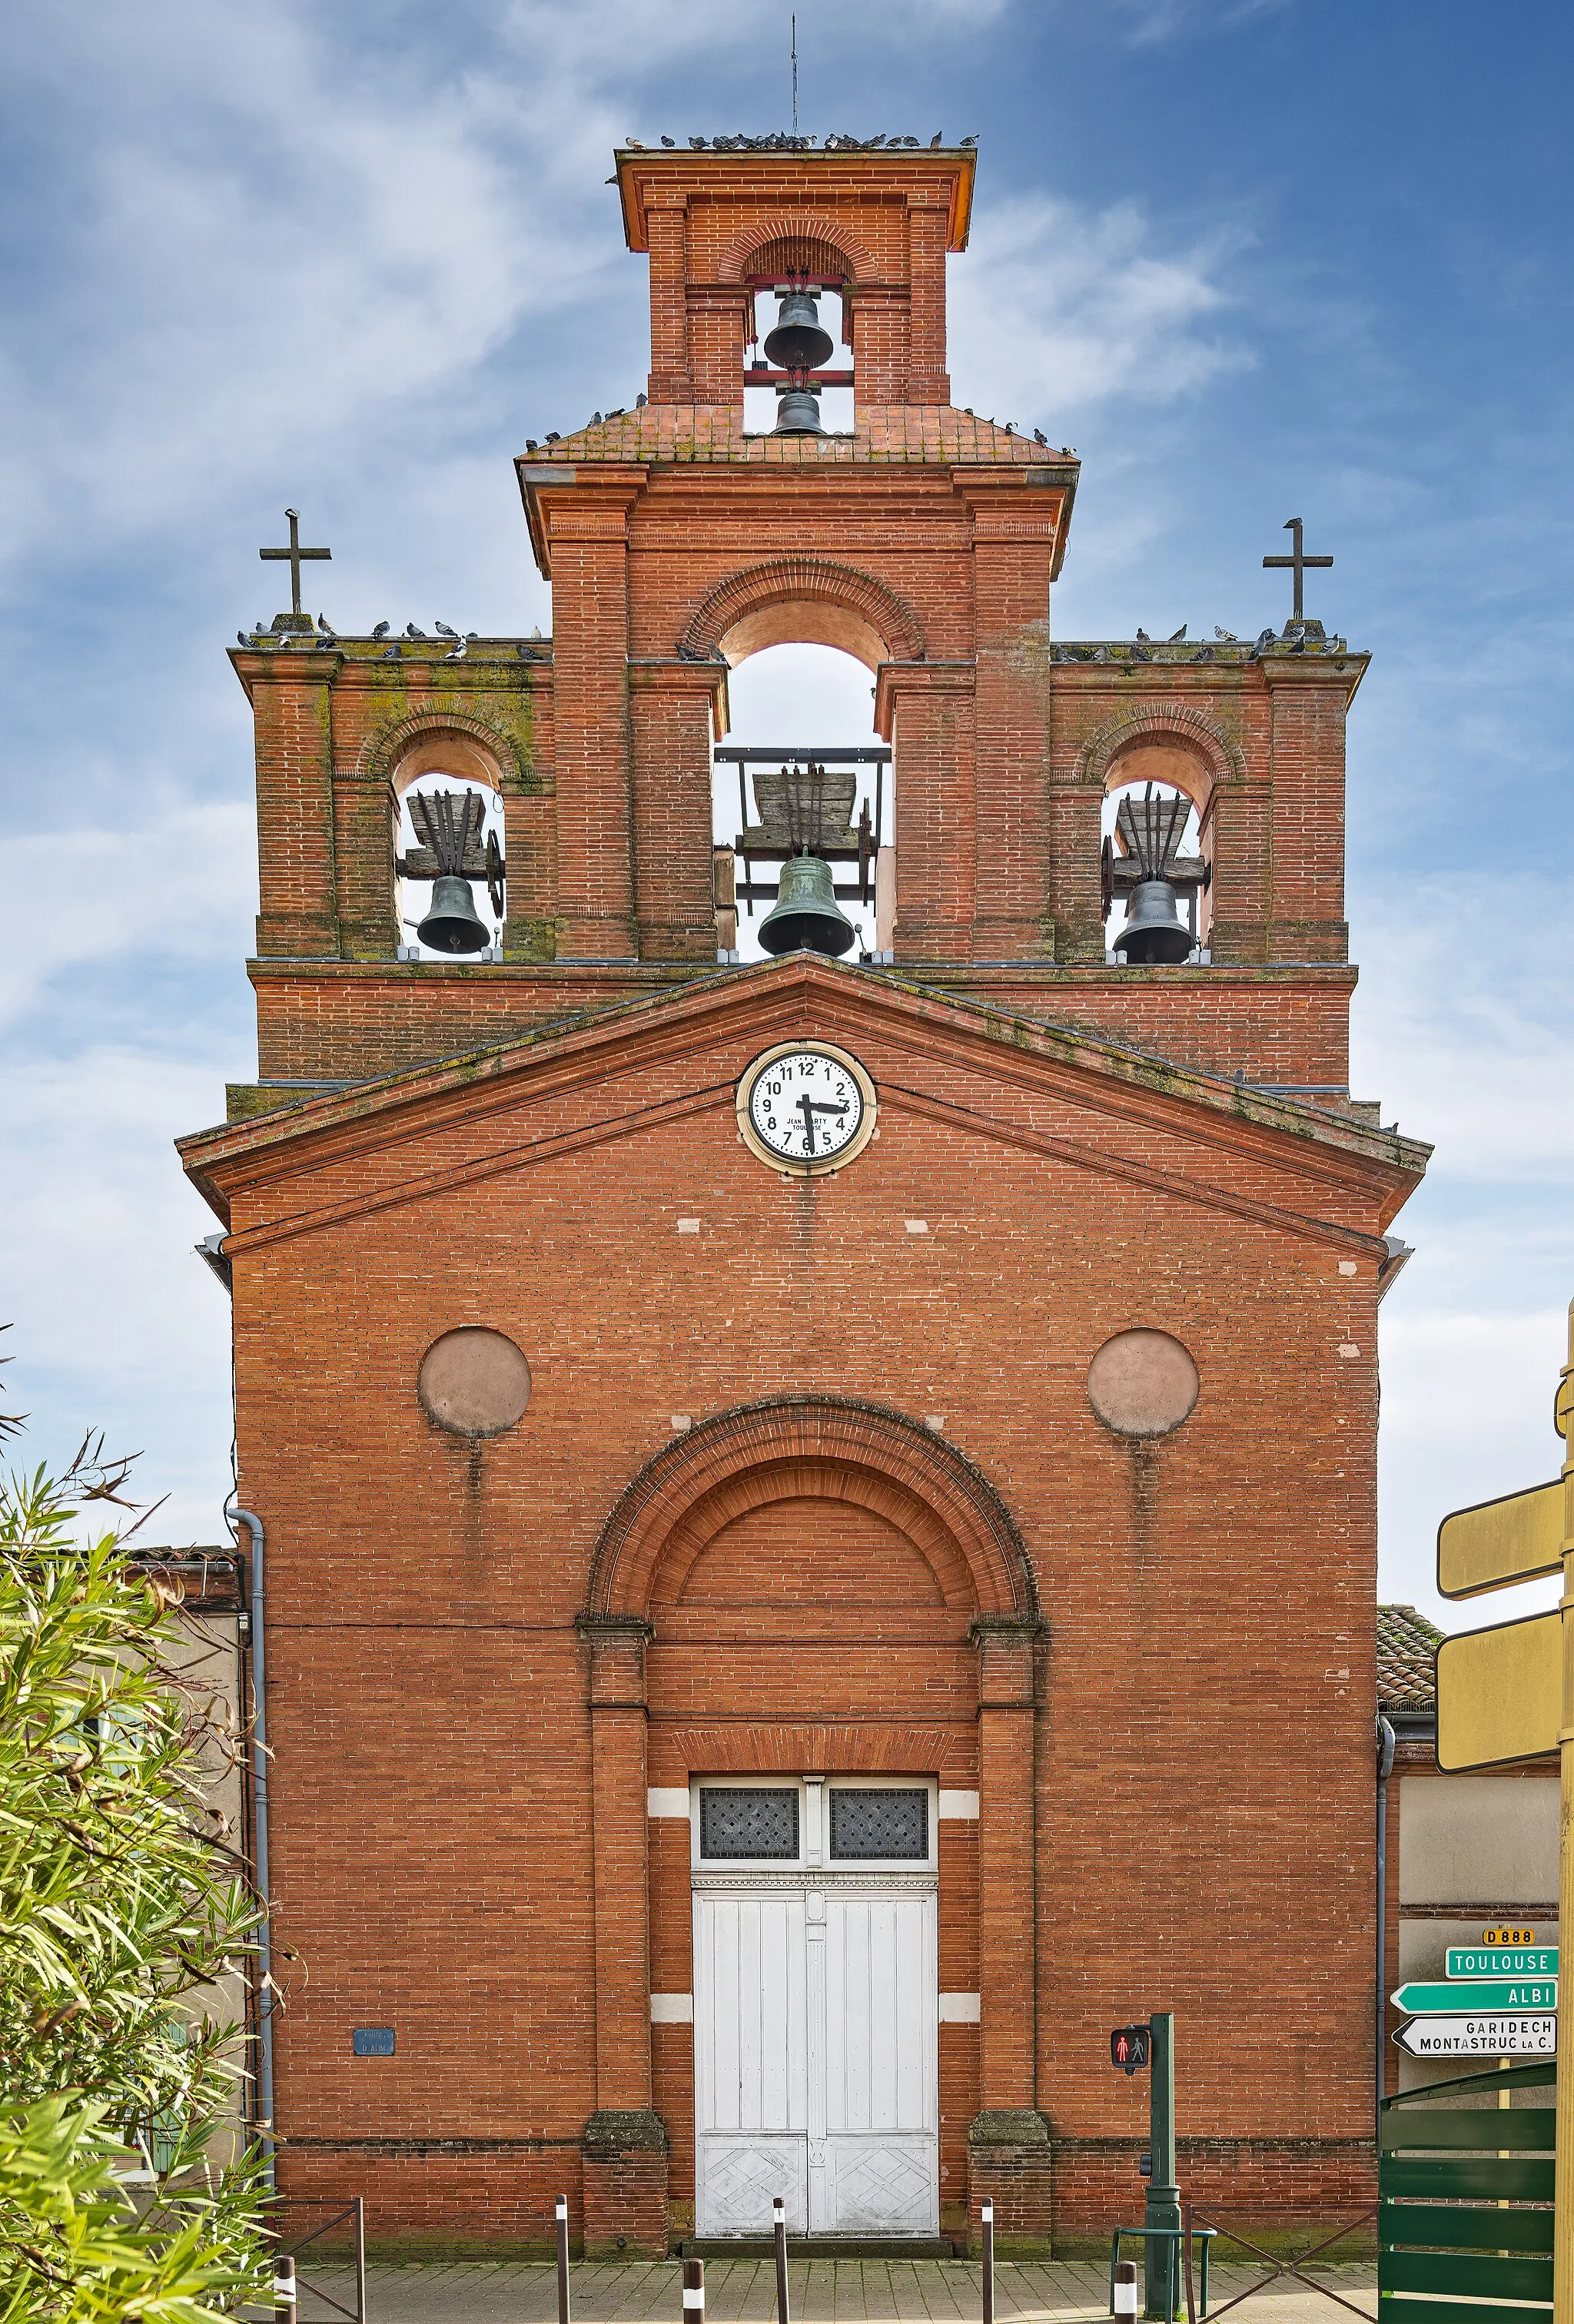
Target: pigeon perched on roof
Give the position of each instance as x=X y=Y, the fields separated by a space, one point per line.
x=324 y=629
x=595 y=418
x=1142 y=652
x=457 y=651
x=669 y=141
x=442 y=630
x=1101 y=654
x=1265 y=638
x=1142 y=638
x=535 y=632
x=529 y=443
x=381 y=631
x=1205 y=653
x=241 y=637
x=935 y=141
x=1176 y=635
x=690 y=653
x=391 y=653
x=410 y=631
x=1039 y=437
x=970 y=141
x=639 y=403
x=1228 y=635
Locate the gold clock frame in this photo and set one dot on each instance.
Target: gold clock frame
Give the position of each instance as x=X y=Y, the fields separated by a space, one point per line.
x=855 y=1145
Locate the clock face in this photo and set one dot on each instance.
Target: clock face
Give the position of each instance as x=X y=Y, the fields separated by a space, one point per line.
x=807 y=1107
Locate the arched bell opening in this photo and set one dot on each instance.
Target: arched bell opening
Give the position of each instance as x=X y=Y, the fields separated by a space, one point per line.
x=803 y=799
x=1156 y=855
x=450 y=863
x=799 y=328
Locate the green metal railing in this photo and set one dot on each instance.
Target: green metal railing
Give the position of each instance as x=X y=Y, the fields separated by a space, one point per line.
x=1465 y=2202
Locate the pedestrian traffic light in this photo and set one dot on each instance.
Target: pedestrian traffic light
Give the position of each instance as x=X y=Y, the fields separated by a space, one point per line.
x=1128 y=2047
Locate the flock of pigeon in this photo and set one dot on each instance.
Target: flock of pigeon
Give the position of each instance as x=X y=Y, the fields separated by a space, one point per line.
x=326 y=636
x=1293 y=640
x=620 y=411
x=783 y=141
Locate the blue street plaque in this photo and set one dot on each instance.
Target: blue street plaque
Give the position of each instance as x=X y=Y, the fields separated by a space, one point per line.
x=373 y=2040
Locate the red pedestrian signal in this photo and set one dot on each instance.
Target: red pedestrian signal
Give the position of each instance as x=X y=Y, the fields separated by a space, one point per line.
x=1128 y=2047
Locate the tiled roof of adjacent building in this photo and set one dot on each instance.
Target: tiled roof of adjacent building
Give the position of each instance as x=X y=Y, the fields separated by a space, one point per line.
x=1406 y=1643
x=927 y=432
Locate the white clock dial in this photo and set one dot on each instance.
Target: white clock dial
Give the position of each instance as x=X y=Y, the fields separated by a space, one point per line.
x=806 y=1107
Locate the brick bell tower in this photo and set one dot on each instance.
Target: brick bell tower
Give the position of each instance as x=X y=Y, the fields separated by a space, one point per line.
x=652 y=1511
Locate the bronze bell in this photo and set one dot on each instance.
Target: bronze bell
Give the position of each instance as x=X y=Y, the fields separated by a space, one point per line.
x=1155 y=930
x=798 y=412
x=453 y=923
x=800 y=341
x=805 y=916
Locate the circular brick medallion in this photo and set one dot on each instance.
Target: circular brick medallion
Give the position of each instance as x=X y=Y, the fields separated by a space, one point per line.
x=1142 y=1383
x=474 y=1381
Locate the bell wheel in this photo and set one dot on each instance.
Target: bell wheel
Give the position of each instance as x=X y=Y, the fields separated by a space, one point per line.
x=494 y=872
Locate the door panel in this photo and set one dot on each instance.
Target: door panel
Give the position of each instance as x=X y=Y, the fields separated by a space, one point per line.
x=750 y=2063
x=882 y=2110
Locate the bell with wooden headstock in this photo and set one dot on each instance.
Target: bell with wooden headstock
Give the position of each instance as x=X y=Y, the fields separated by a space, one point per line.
x=449 y=823
x=805 y=916
x=799 y=344
x=1154 y=933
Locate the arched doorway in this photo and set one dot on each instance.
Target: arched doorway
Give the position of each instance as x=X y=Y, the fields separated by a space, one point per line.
x=823 y=1592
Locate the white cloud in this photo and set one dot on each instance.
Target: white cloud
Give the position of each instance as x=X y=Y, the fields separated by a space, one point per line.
x=1059 y=310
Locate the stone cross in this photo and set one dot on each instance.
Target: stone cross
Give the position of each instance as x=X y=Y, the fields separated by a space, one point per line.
x=295 y=557
x=1298 y=563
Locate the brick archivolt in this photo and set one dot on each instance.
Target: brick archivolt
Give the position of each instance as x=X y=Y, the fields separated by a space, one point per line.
x=1160 y=722
x=797 y=232
x=740 y=600
x=446 y=741
x=831 y=1447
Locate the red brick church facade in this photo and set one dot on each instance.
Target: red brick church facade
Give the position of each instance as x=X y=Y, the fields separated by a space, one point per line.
x=810 y=1512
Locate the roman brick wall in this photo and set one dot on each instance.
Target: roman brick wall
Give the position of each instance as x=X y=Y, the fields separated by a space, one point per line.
x=1192 y=1728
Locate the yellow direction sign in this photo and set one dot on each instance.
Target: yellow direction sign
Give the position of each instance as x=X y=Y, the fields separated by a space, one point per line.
x=1500 y=1693
x=1514 y=1539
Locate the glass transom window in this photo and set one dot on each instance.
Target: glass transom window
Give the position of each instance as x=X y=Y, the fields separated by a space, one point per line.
x=742 y=1822
x=880 y=1825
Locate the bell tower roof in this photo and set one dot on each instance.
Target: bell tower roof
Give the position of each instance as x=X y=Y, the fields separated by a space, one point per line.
x=855 y=187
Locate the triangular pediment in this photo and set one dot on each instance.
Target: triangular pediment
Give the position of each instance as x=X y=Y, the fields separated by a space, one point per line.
x=969 y=1071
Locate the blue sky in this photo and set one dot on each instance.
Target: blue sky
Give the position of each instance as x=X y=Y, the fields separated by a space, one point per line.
x=1253 y=260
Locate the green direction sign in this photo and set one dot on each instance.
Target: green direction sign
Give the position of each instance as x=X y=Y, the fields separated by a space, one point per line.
x=1503 y=1961
x=1477 y=2000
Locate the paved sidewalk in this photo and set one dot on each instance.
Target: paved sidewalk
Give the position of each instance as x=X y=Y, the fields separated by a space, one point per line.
x=820 y=2291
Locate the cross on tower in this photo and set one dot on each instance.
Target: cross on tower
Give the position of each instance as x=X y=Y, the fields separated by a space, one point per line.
x=1298 y=563
x=295 y=557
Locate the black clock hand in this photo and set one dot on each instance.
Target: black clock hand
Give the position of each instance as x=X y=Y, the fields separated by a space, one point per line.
x=824 y=1105
x=807 y=1103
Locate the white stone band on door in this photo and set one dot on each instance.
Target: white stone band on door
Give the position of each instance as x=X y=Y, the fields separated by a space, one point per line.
x=959 y=2009
x=675 y=2009
x=667 y=1800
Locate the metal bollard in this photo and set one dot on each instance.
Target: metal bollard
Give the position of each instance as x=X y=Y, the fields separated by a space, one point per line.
x=989 y=2228
x=694 y=2292
x=1125 y=2288
x=779 y=2230
x=562 y=2259
x=283 y=2289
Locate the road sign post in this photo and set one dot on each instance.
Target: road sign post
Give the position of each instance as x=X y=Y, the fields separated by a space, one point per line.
x=1161 y=2272
x=1507 y=1693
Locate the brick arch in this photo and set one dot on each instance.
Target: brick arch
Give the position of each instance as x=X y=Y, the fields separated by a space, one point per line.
x=734 y=261
x=1160 y=722
x=865 y=1454
x=763 y=603
x=411 y=746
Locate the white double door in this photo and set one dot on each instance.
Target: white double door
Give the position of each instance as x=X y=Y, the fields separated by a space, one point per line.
x=816 y=2067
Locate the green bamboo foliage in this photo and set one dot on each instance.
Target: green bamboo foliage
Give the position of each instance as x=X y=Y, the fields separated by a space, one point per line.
x=122 y=1908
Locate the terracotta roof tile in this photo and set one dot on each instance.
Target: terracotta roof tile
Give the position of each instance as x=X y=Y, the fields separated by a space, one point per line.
x=925 y=432
x=1406 y=1643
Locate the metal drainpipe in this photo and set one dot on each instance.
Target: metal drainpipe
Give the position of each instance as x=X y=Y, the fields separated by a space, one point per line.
x=250 y=1519
x=1384 y=1769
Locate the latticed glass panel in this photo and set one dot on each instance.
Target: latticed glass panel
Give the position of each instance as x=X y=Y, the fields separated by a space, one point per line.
x=746 y=1822
x=865 y=1824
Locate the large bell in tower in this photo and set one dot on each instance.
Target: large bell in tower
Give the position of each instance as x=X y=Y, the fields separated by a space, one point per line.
x=1154 y=931
x=800 y=341
x=805 y=916
x=453 y=923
